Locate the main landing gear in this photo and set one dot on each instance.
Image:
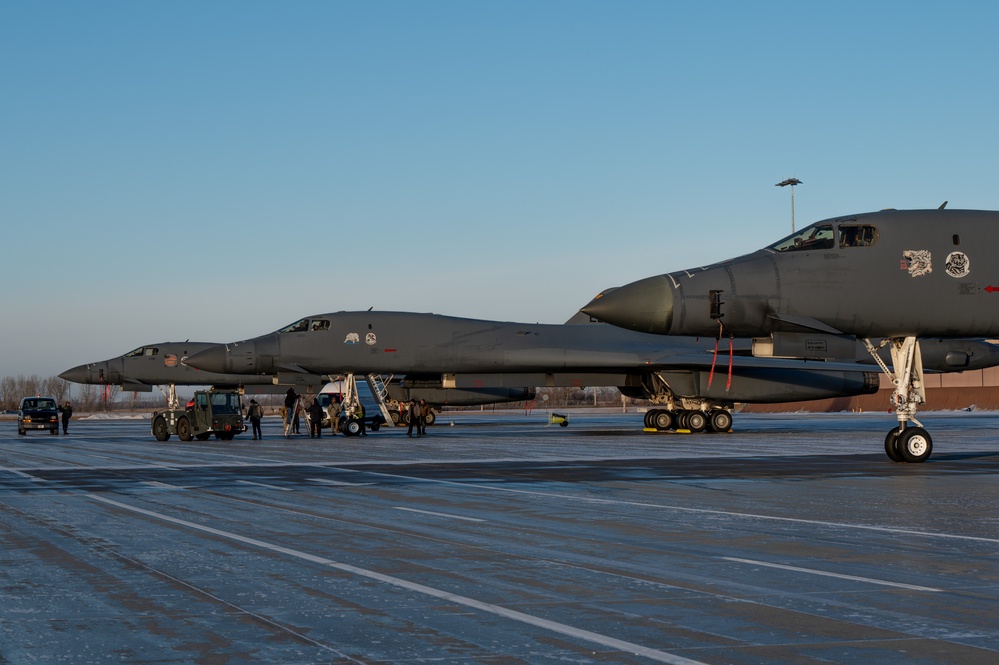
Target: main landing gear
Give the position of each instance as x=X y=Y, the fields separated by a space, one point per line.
x=663 y=420
x=905 y=443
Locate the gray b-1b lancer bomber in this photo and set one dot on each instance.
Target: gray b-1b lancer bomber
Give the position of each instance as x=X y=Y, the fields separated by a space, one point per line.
x=696 y=384
x=890 y=276
x=165 y=364
x=159 y=364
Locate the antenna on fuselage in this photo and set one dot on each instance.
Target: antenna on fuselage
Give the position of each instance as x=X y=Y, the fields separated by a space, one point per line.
x=943 y=205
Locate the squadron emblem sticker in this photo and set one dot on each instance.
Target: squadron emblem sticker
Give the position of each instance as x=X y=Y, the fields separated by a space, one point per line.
x=917 y=261
x=958 y=264
x=352 y=338
x=370 y=339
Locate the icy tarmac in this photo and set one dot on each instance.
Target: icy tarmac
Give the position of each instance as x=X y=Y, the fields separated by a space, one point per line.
x=499 y=540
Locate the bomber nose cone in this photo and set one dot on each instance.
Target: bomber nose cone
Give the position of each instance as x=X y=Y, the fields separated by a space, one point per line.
x=213 y=359
x=645 y=306
x=78 y=374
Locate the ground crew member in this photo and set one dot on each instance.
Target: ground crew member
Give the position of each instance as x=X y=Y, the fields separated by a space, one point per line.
x=290 y=403
x=414 y=418
x=333 y=411
x=424 y=412
x=255 y=413
x=315 y=419
x=67 y=413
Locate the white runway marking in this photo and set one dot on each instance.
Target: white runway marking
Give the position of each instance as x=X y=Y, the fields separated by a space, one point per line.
x=538 y=622
x=685 y=509
x=336 y=483
x=34 y=479
x=156 y=483
x=270 y=487
x=812 y=571
x=430 y=512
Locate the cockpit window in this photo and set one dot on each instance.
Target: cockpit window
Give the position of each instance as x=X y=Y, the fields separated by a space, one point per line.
x=818 y=236
x=298 y=326
x=857 y=235
x=307 y=325
x=142 y=351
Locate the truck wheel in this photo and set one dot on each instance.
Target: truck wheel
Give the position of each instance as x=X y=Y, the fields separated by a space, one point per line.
x=431 y=417
x=375 y=426
x=54 y=431
x=160 y=430
x=21 y=432
x=184 y=429
x=203 y=436
x=396 y=418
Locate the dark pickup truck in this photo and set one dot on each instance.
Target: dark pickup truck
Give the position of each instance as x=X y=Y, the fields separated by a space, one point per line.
x=37 y=413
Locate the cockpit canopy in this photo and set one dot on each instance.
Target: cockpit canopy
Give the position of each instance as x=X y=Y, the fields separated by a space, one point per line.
x=142 y=351
x=828 y=236
x=307 y=325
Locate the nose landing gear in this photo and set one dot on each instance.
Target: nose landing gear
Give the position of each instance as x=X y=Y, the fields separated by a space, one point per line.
x=904 y=443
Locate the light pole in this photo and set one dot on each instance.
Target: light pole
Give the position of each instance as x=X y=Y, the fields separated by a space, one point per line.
x=785 y=183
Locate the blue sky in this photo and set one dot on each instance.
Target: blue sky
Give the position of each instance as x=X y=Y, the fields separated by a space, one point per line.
x=215 y=170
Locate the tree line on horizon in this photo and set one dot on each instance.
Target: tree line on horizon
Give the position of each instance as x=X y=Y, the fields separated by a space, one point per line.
x=82 y=397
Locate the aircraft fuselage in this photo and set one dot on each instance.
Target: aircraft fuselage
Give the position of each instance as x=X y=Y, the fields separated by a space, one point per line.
x=892 y=273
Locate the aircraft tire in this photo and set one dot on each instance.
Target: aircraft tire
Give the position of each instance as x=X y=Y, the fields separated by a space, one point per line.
x=184 y=429
x=160 y=430
x=697 y=421
x=719 y=420
x=915 y=445
x=663 y=420
x=352 y=428
x=648 y=418
x=891 y=445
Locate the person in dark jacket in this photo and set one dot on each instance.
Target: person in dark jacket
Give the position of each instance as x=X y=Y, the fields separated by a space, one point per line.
x=291 y=410
x=315 y=419
x=67 y=413
x=414 y=418
x=255 y=413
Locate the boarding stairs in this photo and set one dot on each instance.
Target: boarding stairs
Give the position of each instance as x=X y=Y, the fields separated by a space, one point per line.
x=379 y=390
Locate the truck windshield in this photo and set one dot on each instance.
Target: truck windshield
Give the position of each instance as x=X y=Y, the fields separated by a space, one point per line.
x=38 y=404
x=225 y=403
